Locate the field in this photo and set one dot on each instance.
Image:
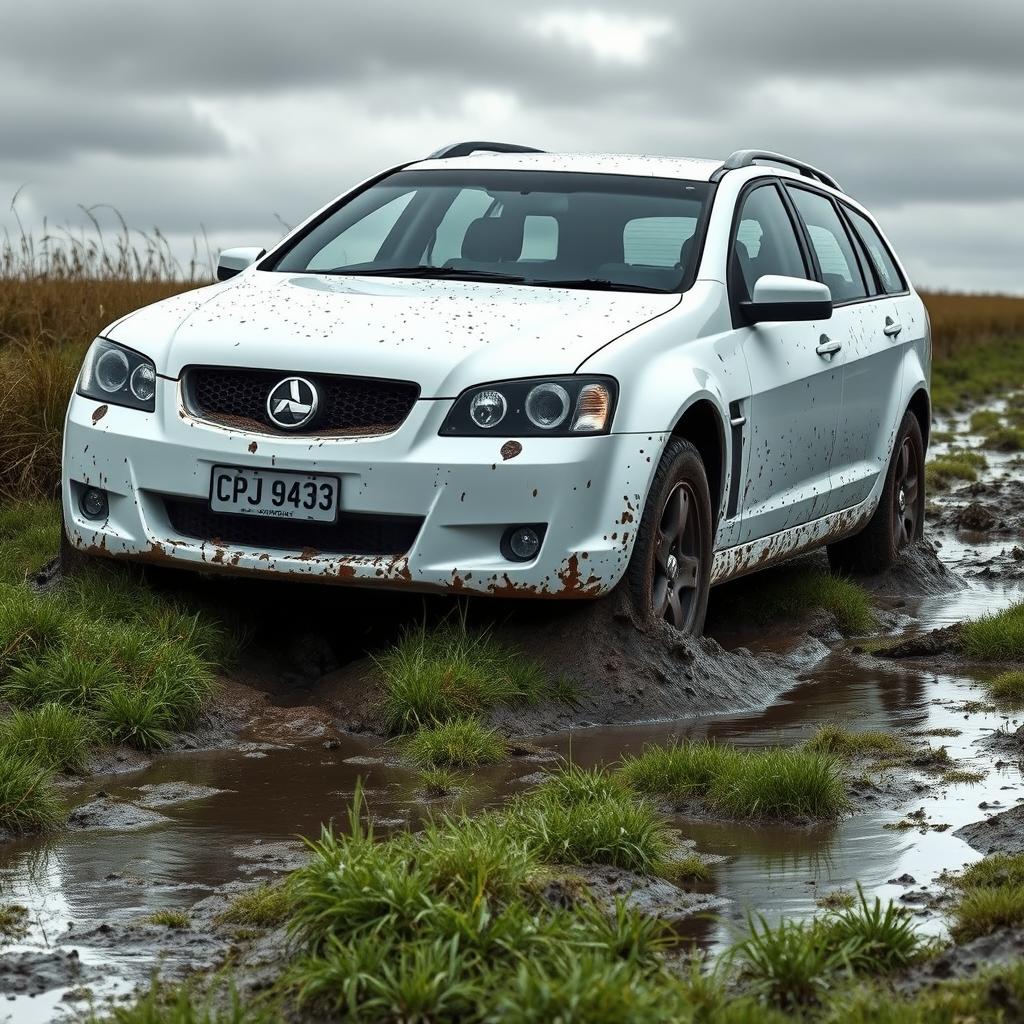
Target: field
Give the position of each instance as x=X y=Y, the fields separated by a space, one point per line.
x=475 y=916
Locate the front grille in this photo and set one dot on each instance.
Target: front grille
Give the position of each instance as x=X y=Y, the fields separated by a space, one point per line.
x=347 y=406
x=352 y=534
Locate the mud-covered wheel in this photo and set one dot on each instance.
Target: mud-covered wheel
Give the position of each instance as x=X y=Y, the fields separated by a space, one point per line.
x=899 y=518
x=670 y=571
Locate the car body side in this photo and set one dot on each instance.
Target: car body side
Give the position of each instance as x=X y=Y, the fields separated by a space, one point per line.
x=682 y=369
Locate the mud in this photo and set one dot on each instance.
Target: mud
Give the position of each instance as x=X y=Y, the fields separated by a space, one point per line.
x=1003 y=832
x=293 y=731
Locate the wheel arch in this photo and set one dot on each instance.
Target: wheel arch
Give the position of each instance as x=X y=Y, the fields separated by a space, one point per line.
x=701 y=424
x=920 y=405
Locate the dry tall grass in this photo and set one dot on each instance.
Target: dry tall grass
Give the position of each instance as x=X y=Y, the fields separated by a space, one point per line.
x=58 y=292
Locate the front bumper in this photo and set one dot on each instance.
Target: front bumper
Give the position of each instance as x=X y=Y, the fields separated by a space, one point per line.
x=589 y=491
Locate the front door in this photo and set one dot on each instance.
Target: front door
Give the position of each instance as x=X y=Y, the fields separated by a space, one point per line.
x=789 y=420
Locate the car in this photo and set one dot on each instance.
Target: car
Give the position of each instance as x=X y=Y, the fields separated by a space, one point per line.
x=512 y=373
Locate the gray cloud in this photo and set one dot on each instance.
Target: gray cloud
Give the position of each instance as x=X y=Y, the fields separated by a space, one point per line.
x=225 y=114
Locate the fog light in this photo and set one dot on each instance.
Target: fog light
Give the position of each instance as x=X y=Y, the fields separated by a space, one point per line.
x=93 y=503
x=521 y=543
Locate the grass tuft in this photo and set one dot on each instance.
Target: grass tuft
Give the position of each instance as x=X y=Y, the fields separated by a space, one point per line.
x=28 y=800
x=1005 y=439
x=170 y=919
x=264 y=906
x=458 y=743
x=54 y=735
x=834 y=739
x=780 y=783
x=432 y=677
x=996 y=637
x=941 y=472
x=1007 y=688
x=791 y=592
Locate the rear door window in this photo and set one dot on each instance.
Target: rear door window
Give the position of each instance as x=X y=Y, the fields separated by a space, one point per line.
x=832 y=246
x=885 y=267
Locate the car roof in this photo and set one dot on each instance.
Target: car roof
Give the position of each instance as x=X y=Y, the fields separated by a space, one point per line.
x=688 y=168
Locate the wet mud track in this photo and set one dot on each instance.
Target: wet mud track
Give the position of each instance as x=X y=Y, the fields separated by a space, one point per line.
x=190 y=828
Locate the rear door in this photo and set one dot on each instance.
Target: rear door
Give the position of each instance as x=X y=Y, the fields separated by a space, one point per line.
x=870 y=365
x=786 y=428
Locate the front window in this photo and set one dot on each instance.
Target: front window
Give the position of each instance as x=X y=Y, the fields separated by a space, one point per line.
x=541 y=228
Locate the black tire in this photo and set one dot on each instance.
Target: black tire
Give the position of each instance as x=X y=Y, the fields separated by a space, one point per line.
x=669 y=573
x=899 y=518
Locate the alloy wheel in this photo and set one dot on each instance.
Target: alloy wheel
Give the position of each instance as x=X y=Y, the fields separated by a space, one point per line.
x=906 y=485
x=675 y=594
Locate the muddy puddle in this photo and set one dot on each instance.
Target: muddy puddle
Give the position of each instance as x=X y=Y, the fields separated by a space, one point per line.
x=196 y=826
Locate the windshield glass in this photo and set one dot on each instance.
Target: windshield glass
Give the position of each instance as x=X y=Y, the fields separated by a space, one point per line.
x=553 y=229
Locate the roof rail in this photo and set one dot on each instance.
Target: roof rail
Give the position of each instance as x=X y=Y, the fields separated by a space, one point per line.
x=467 y=148
x=748 y=157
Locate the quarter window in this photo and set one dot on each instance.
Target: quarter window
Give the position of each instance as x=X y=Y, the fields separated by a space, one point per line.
x=765 y=242
x=887 y=271
x=831 y=244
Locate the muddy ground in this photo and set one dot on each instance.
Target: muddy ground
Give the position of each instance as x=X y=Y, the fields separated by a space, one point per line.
x=295 y=729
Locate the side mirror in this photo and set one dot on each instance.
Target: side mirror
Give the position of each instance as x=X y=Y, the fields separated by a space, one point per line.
x=234 y=261
x=787 y=298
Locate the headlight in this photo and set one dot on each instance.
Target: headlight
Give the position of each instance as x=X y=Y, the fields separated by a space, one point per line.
x=115 y=374
x=550 y=406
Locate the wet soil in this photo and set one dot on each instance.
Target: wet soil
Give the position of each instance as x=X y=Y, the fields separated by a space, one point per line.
x=294 y=731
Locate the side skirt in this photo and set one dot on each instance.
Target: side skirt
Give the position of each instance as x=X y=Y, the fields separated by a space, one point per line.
x=759 y=554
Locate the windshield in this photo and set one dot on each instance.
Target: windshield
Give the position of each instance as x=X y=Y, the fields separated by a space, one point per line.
x=542 y=228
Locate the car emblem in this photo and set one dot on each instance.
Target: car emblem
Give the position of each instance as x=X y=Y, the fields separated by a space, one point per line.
x=292 y=403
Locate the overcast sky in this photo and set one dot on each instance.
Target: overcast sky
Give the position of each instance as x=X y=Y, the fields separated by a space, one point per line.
x=235 y=117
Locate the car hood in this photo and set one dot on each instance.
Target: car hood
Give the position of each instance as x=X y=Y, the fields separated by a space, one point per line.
x=444 y=335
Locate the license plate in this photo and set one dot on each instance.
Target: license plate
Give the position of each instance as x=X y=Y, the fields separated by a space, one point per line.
x=275 y=494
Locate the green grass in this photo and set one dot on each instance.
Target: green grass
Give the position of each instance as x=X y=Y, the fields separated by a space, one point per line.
x=29 y=537
x=264 y=906
x=835 y=739
x=433 y=676
x=436 y=783
x=996 y=637
x=1007 y=688
x=449 y=924
x=996 y=870
x=13 y=921
x=28 y=800
x=959 y=776
x=981 y=911
x=587 y=817
x=457 y=743
x=975 y=371
x=956 y=465
x=56 y=736
x=1005 y=439
x=984 y=420
x=779 y=783
x=170 y=919
x=990 y=896
x=791 y=592
x=794 y=964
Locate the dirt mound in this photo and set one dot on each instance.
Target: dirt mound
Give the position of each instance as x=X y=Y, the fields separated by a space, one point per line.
x=999 y=949
x=917 y=572
x=1002 y=833
x=945 y=640
x=623 y=671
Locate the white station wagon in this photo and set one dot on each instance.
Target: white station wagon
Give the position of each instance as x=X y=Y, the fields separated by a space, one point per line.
x=506 y=372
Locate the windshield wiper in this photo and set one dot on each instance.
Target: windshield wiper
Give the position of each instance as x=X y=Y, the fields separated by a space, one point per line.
x=439 y=273
x=600 y=284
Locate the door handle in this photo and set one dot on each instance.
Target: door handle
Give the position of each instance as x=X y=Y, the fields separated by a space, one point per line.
x=892 y=327
x=828 y=347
